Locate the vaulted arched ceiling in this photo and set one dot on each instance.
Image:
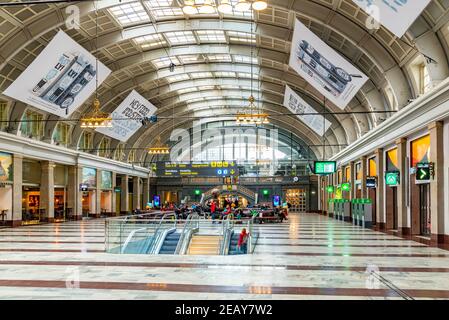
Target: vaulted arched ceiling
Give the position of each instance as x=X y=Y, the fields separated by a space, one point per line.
x=216 y=54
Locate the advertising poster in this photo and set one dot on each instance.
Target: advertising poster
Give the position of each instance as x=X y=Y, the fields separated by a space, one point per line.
x=322 y=67
x=396 y=16
x=6 y=167
x=296 y=104
x=60 y=79
x=106 y=180
x=127 y=118
x=89 y=177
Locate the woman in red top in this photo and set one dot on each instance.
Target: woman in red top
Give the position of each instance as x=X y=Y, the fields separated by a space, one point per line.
x=213 y=207
x=243 y=239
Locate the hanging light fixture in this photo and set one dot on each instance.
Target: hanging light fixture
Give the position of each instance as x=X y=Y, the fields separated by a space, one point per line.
x=96 y=118
x=189 y=7
x=225 y=6
x=159 y=148
x=206 y=7
x=243 y=5
x=260 y=5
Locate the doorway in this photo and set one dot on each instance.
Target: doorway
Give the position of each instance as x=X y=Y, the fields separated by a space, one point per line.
x=392 y=208
x=424 y=208
x=372 y=194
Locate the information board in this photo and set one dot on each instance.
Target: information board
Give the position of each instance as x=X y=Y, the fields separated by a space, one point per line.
x=203 y=169
x=325 y=167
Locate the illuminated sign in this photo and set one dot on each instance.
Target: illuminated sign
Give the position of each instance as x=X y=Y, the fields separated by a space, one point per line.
x=276 y=201
x=371 y=182
x=423 y=172
x=265 y=192
x=206 y=169
x=392 y=178
x=157 y=201
x=197 y=192
x=346 y=187
x=325 y=167
x=330 y=189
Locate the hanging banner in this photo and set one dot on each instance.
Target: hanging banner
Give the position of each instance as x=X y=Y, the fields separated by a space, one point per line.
x=60 y=79
x=296 y=104
x=396 y=16
x=6 y=167
x=322 y=67
x=127 y=118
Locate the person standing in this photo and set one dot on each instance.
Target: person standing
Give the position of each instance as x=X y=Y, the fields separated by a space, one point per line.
x=213 y=207
x=242 y=243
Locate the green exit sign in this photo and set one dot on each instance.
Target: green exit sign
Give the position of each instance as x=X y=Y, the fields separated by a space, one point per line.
x=346 y=187
x=330 y=189
x=265 y=192
x=423 y=172
x=197 y=192
x=325 y=167
x=392 y=178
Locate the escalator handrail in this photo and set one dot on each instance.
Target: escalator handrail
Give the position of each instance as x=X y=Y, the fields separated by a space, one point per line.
x=184 y=230
x=130 y=236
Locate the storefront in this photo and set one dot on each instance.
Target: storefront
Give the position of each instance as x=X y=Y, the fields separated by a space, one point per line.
x=106 y=191
x=32 y=211
x=297 y=199
x=89 y=180
x=420 y=186
x=60 y=202
x=372 y=189
x=6 y=190
x=391 y=189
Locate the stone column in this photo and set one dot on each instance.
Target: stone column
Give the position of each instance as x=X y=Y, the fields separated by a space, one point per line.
x=124 y=202
x=380 y=197
x=74 y=195
x=437 y=183
x=353 y=178
x=16 y=217
x=403 y=223
x=364 y=192
x=48 y=190
x=146 y=192
x=136 y=192
x=114 y=194
x=97 y=211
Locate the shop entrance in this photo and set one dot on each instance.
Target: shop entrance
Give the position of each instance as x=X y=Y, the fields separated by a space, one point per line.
x=60 y=205
x=5 y=203
x=372 y=194
x=392 y=208
x=88 y=202
x=31 y=205
x=424 y=206
x=297 y=199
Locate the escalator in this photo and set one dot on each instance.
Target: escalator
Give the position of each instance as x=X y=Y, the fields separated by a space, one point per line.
x=234 y=240
x=170 y=243
x=205 y=245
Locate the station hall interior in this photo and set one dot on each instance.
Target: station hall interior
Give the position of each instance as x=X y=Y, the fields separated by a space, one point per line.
x=224 y=149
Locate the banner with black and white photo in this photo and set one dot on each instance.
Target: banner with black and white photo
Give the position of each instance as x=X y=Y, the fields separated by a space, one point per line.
x=127 y=118
x=396 y=16
x=322 y=67
x=60 y=79
x=297 y=105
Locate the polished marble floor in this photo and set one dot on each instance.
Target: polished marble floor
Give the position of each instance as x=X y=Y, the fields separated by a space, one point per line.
x=308 y=257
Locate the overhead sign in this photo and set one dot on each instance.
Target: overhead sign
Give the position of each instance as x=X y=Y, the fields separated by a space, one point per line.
x=371 y=182
x=330 y=189
x=396 y=16
x=392 y=178
x=60 y=79
x=423 y=172
x=127 y=118
x=322 y=67
x=84 y=187
x=346 y=187
x=297 y=105
x=325 y=167
x=204 y=169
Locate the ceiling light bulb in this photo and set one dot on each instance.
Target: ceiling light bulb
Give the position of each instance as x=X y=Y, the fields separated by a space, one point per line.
x=206 y=9
x=260 y=5
x=189 y=10
x=225 y=7
x=243 y=5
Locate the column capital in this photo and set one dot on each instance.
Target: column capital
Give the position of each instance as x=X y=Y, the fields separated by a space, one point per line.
x=436 y=124
x=363 y=158
x=400 y=141
x=18 y=156
x=379 y=151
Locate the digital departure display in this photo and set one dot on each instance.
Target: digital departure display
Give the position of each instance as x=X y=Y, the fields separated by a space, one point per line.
x=325 y=167
x=203 y=169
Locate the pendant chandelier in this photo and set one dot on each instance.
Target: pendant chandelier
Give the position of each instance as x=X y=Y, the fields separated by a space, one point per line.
x=96 y=118
x=192 y=7
x=159 y=148
x=252 y=117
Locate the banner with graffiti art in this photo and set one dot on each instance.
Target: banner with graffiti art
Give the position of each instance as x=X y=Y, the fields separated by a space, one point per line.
x=303 y=111
x=325 y=69
x=60 y=79
x=127 y=118
x=396 y=16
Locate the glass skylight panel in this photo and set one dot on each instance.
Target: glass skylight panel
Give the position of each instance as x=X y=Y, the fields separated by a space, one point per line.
x=187 y=90
x=219 y=58
x=190 y=59
x=198 y=75
x=159 y=3
x=151 y=40
x=129 y=13
x=241 y=36
x=166 y=12
x=228 y=87
x=178 y=77
x=245 y=59
x=180 y=37
x=211 y=35
x=206 y=87
x=225 y=74
x=247 y=75
x=164 y=62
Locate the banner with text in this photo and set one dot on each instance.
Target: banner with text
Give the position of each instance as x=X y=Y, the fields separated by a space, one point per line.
x=127 y=118
x=321 y=66
x=396 y=16
x=60 y=79
x=297 y=105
